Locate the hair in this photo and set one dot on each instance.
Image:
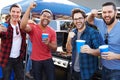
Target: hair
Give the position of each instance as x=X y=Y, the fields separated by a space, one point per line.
x=46 y=10
x=77 y=10
x=7 y=18
x=110 y=4
x=15 y=5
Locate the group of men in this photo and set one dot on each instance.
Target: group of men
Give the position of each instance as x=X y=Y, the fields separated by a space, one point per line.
x=84 y=64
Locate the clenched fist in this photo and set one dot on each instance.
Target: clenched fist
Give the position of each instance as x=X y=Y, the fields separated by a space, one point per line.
x=32 y=5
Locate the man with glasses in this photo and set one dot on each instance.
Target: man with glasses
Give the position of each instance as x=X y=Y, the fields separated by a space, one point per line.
x=13 y=45
x=41 y=49
x=85 y=63
x=109 y=28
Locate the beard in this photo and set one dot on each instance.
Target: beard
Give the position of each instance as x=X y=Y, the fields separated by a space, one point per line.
x=111 y=21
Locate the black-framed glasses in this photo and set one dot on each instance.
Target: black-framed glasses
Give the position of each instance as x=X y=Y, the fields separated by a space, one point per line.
x=17 y=32
x=106 y=38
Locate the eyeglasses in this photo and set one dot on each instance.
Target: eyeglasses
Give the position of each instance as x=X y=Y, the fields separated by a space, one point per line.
x=106 y=38
x=17 y=32
x=80 y=18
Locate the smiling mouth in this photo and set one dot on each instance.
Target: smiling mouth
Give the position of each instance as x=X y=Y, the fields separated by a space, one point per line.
x=107 y=18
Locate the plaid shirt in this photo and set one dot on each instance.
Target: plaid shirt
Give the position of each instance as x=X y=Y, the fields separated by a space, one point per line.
x=6 y=45
x=88 y=63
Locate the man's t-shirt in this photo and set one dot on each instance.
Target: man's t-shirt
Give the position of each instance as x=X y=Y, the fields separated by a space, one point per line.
x=41 y=51
x=113 y=42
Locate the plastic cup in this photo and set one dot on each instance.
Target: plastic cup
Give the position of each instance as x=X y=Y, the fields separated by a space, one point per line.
x=79 y=43
x=44 y=36
x=5 y=25
x=1 y=75
x=103 y=48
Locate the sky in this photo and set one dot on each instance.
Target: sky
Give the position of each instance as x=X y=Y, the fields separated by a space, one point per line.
x=4 y=3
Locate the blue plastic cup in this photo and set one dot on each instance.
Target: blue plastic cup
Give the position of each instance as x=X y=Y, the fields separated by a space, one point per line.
x=1 y=74
x=44 y=36
x=103 y=48
x=5 y=25
x=79 y=43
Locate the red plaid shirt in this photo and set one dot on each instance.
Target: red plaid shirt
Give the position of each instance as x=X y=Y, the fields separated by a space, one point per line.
x=6 y=45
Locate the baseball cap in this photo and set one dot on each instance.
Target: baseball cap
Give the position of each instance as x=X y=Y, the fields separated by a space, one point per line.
x=46 y=10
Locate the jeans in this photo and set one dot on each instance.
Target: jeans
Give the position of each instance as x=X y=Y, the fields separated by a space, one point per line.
x=16 y=65
x=45 y=65
x=76 y=75
x=29 y=63
x=108 y=74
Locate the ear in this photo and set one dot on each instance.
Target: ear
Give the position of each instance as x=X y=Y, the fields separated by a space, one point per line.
x=40 y=16
x=85 y=19
x=116 y=12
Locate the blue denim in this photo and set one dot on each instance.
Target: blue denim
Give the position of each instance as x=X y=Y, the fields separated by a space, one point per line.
x=108 y=74
x=76 y=75
x=12 y=76
x=29 y=63
x=45 y=65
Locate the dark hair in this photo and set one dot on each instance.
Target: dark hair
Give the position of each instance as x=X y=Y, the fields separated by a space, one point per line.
x=77 y=10
x=110 y=4
x=7 y=17
x=46 y=10
x=15 y=5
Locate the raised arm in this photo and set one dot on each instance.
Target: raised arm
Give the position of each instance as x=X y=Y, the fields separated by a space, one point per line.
x=68 y=44
x=91 y=16
x=25 y=18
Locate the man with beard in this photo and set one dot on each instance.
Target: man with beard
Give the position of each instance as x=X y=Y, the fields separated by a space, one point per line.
x=109 y=28
x=85 y=63
x=41 y=50
x=13 y=45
